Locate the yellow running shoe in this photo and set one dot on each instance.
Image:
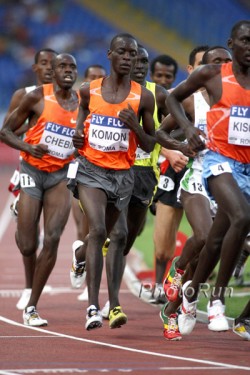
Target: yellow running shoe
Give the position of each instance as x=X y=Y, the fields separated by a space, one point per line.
x=117 y=317
x=105 y=247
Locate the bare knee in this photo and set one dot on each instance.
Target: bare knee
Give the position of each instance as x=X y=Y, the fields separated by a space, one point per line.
x=200 y=238
x=51 y=240
x=164 y=254
x=242 y=220
x=98 y=235
x=119 y=237
x=27 y=246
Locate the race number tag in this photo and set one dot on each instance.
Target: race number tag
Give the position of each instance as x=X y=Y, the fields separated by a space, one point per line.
x=239 y=126
x=26 y=181
x=72 y=169
x=218 y=169
x=166 y=183
x=141 y=154
x=15 y=179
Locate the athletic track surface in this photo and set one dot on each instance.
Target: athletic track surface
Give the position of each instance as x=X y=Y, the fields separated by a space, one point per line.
x=66 y=347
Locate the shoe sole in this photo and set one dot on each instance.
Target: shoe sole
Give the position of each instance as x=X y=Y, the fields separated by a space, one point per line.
x=93 y=325
x=245 y=336
x=219 y=329
x=173 y=339
x=117 y=323
x=36 y=325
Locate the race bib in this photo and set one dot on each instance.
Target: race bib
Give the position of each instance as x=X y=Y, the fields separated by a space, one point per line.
x=108 y=134
x=72 y=170
x=15 y=179
x=218 y=169
x=166 y=183
x=239 y=126
x=26 y=181
x=58 y=138
x=141 y=154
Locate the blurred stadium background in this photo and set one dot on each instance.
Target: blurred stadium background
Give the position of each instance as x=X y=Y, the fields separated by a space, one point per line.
x=84 y=28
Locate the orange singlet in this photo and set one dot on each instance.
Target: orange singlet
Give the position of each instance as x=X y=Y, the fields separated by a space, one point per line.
x=54 y=128
x=108 y=142
x=228 y=121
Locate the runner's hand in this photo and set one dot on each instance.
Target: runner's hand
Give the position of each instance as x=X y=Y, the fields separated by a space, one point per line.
x=194 y=140
x=38 y=151
x=128 y=117
x=78 y=139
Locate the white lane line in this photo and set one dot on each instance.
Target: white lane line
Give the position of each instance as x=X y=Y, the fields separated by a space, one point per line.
x=101 y=370
x=9 y=293
x=29 y=337
x=5 y=217
x=146 y=352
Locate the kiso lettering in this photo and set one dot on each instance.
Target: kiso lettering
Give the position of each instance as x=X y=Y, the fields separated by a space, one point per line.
x=239 y=126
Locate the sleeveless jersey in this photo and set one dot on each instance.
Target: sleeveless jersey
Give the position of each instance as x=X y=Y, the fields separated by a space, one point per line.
x=192 y=179
x=108 y=142
x=200 y=112
x=228 y=121
x=142 y=157
x=54 y=128
x=27 y=90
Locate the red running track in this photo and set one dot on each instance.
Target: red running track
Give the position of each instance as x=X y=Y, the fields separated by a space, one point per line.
x=66 y=347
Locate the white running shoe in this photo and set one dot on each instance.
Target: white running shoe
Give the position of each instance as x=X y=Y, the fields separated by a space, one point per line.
x=105 y=310
x=47 y=289
x=31 y=318
x=84 y=296
x=14 y=206
x=93 y=318
x=24 y=299
x=216 y=317
x=78 y=270
x=187 y=318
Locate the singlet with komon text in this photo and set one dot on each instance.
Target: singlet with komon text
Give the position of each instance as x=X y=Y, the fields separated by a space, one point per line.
x=108 y=142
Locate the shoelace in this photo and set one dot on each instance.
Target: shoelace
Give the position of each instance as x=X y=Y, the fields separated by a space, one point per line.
x=176 y=282
x=116 y=311
x=79 y=268
x=33 y=314
x=216 y=311
x=92 y=312
x=172 y=326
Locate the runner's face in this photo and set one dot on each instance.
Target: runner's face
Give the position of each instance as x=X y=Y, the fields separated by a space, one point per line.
x=219 y=56
x=43 y=68
x=240 y=45
x=164 y=75
x=65 y=71
x=94 y=73
x=141 y=66
x=123 y=55
x=197 y=62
